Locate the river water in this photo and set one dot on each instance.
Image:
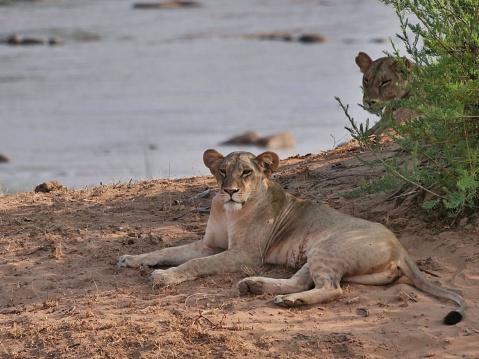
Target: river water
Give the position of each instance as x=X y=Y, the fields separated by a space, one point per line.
x=140 y=94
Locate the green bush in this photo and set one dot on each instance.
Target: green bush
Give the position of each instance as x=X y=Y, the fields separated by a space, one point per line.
x=443 y=143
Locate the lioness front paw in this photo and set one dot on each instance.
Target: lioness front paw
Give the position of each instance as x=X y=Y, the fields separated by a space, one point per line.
x=129 y=261
x=250 y=285
x=287 y=301
x=165 y=276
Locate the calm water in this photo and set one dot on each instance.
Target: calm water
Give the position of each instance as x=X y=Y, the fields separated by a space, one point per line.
x=180 y=81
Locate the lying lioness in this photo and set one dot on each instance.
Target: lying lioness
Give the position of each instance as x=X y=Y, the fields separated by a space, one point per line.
x=254 y=221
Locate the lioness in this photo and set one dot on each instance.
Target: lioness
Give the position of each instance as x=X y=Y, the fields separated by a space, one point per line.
x=383 y=81
x=254 y=221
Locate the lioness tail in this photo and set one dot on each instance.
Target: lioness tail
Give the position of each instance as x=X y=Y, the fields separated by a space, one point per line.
x=411 y=271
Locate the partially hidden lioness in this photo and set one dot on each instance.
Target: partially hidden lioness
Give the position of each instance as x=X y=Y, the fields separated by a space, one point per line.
x=254 y=221
x=383 y=81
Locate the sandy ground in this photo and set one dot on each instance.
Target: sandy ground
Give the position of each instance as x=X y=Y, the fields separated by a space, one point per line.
x=63 y=297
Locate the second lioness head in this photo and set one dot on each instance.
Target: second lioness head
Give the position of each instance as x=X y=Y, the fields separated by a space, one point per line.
x=384 y=80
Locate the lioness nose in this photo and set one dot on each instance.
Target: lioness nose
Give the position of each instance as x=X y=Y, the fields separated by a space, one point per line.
x=230 y=191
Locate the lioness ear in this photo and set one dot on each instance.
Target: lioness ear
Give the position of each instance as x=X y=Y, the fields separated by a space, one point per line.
x=269 y=161
x=363 y=61
x=212 y=159
x=398 y=66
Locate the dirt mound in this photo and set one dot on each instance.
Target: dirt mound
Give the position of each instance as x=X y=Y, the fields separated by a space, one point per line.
x=62 y=295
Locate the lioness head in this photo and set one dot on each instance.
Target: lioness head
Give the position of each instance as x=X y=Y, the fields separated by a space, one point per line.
x=239 y=173
x=383 y=80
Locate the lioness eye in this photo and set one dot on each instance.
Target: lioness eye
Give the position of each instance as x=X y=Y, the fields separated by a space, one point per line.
x=222 y=172
x=365 y=80
x=247 y=172
x=385 y=83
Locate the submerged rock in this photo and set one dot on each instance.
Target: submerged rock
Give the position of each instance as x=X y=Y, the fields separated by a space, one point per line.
x=20 y=40
x=248 y=138
x=278 y=140
x=282 y=36
x=166 y=4
x=290 y=37
x=55 y=41
x=4 y=159
x=312 y=38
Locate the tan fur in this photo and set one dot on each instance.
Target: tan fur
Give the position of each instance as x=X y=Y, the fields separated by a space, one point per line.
x=383 y=81
x=253 y=221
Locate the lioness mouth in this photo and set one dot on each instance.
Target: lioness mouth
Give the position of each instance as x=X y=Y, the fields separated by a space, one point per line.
x=235 y=202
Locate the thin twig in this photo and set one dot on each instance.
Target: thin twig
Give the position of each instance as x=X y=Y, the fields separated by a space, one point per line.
x=34 y=291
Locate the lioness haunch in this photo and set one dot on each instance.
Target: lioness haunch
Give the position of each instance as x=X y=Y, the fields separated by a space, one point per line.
x=254 y=221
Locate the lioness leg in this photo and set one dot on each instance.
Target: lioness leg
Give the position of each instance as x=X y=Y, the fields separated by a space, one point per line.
x=327 y=288
x=229 y=261
x=168 y=256
x=301 y=281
